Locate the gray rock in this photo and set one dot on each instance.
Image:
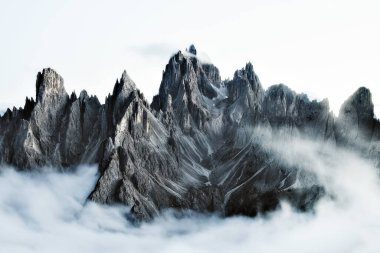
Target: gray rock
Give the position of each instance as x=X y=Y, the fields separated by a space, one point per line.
x=356 y=118
x=191 y=87
x=192 y=148
x=284 y=108
x=192 y=50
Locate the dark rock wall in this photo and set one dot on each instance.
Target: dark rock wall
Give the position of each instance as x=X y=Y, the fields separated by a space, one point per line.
x=193 y=147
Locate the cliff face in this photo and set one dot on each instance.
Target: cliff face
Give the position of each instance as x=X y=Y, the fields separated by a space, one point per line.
x=194 y=147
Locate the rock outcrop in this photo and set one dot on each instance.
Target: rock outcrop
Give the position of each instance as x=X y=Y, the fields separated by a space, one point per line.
x=194 y=147
x=356 y=117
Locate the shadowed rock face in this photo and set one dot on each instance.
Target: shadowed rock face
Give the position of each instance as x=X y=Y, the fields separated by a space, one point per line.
x=356 y=117
x=194 y=147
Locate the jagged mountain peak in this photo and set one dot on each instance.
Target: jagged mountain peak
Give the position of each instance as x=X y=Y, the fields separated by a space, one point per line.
x=247 y=86
x=126 y=79
x=186 y=78
x=362 y=98
x=194 y=147
x=247 y=73
x=124 y=86
x=28 y=107
x=359 y=101
x=49 y=82
x=282 y=91
x=192 y=49
x=356 y=116
x=83 y=95
x=245 y=76
x=73 y=96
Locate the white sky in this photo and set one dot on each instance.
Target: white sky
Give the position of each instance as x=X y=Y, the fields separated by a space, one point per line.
x=325 y=48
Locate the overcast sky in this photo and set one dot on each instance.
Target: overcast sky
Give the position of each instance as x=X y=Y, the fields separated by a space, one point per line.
x=325 y=48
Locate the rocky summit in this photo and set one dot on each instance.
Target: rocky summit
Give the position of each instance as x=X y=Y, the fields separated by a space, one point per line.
x=196 y=146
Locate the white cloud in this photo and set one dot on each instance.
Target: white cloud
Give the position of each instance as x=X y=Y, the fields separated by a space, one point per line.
x=154 y=50
x=46 y=212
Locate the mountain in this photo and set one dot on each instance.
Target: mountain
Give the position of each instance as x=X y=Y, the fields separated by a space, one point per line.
x=197 y=146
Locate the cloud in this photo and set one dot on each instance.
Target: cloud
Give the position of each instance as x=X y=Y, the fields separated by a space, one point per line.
x=163 y=51
x=154 y=50
x=46 y=211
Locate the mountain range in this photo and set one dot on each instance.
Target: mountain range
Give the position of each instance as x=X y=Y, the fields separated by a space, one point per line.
x=198 y=145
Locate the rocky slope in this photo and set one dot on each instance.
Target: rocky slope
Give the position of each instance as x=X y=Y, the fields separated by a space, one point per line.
x=195 y=147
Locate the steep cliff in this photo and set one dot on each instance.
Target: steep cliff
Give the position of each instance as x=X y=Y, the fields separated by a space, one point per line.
x=197 y=146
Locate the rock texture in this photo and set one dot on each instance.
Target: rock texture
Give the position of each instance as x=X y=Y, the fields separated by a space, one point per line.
x=194 y=147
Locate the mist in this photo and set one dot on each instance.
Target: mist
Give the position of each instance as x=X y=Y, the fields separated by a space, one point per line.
x=47 y=211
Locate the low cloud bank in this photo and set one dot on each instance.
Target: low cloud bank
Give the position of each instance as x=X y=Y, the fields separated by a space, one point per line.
x=47 y=212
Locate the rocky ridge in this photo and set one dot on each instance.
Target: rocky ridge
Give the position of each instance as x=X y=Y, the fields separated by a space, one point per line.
x=193 y=148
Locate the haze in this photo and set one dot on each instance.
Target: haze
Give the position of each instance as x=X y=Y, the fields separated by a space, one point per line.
x=323 y=48
x=51 y=214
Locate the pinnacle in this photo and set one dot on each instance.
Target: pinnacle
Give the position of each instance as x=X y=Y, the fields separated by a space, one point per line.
x=192 y=49
x=48 y=81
